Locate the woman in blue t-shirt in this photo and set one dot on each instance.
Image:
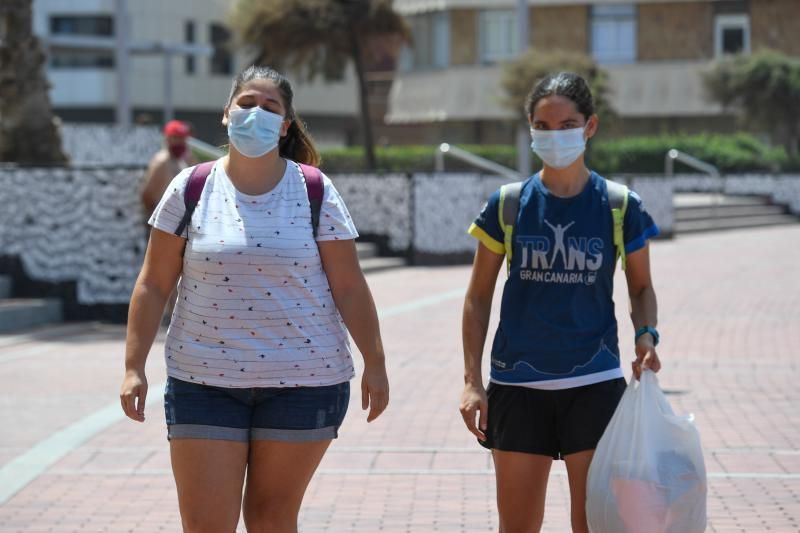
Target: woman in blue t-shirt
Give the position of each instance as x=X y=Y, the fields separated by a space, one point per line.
x=555 y=377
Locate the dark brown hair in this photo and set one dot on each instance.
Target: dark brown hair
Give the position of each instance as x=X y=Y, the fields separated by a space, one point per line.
x=566 y=84
x=297 y=145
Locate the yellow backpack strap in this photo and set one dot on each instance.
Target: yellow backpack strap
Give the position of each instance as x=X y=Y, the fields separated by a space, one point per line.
x=507 y=214
x=618 y=202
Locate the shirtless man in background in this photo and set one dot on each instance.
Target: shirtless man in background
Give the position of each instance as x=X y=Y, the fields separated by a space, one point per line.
x=165 y=164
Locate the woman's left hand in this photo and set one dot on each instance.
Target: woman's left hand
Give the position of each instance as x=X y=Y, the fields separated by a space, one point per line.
x=374 y=389
x=646 y=356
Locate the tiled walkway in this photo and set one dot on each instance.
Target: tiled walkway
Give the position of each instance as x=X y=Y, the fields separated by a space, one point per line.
x=730 y=324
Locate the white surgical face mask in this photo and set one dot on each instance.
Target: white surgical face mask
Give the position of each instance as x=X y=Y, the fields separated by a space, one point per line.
x=254 y=132
x=558 y=148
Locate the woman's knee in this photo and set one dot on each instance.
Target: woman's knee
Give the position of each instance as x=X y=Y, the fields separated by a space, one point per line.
x=521 y=524
x=272 y=517
x=206 y=523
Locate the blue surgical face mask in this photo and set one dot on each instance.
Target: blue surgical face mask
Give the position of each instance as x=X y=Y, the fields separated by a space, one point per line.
x=558 y=148
x=254 y=132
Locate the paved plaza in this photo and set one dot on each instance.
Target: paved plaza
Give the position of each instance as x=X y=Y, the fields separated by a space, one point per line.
x=730 y=324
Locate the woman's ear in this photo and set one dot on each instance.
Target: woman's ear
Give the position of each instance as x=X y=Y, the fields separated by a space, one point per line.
x=285 y=125
x=225 y=113
x=591 y=126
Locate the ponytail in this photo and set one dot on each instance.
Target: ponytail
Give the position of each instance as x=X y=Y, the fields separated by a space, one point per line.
x=298 y=145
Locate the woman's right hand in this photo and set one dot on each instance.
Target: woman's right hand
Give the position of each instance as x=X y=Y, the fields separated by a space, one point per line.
x=374 y=389
x=474 y=402
x=133 y=394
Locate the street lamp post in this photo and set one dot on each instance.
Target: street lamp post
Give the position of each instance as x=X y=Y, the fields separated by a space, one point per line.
x=122 y=63
x=523 y=132
x=169 y=108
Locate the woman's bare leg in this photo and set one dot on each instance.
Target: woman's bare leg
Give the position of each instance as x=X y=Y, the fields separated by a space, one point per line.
x=521 y=489
x=277 y=478
x=209 y=475
x=577 y=472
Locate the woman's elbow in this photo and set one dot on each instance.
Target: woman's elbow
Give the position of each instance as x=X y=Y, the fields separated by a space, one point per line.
x=345 y=286
x=477 y=302
x=147 y=285
x=640 y=290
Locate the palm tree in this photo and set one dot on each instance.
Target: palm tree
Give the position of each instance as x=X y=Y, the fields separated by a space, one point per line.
x=319 y=38
x=28 y=130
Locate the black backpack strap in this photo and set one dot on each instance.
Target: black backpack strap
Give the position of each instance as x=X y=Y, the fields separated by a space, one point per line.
x=507 y=214
x=315 y=188
x=192 y=192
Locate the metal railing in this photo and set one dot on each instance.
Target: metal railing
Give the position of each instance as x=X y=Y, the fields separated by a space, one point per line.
x=204 y=148
x=688 y=160
x=474 y=160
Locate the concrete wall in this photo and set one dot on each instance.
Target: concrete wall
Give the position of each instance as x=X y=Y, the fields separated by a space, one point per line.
x=101 y=144
x=84 y=226
x=781 y=189
x=75 y=225
x=675 y=31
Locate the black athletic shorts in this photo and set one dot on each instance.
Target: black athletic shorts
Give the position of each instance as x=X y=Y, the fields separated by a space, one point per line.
x=550 y=422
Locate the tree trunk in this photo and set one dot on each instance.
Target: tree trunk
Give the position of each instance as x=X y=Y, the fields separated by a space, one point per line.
x=29 y=132
x=366 y=124
x=793 y=140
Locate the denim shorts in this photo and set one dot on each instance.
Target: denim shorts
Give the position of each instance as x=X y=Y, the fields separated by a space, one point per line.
x=296 y=414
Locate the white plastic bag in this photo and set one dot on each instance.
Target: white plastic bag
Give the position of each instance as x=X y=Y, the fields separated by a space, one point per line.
x=647 y=474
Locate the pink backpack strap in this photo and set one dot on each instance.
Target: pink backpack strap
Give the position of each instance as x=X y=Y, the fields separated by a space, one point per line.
x=316 y=190
x=192 y=192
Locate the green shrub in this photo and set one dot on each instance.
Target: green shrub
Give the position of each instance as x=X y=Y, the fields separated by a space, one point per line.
x=413 y=158
x=399 y=159
x=765 y=86
x=734 y=153
x=729 y=153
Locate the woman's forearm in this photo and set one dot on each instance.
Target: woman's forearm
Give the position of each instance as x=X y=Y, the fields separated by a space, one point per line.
x=357 y=308
x=644 y=308
x=474 y=325
x=144 y=317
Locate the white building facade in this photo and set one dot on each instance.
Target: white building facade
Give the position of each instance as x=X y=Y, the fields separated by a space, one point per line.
x=84 y=80
x=654 y=52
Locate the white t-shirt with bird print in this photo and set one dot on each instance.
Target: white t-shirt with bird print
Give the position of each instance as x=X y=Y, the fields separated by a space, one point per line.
x=254 y=305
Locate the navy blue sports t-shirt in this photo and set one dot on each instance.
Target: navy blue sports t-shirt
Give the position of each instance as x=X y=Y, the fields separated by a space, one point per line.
x=557 y=326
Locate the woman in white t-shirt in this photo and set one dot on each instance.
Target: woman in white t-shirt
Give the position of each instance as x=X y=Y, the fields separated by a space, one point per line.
x=257 y=353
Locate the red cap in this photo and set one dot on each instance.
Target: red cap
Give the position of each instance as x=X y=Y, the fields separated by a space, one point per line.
x=176 y=128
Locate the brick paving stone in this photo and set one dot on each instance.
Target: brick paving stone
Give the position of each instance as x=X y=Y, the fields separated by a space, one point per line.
x=729 y=307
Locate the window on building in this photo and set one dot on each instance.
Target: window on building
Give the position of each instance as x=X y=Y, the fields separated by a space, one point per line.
x=63 y=59
x=102 y=26
x=614 y=33
x=221 y=57
x=188 y=33
x=83 y=25
x=731 y=35
x=497 y=31
x=431 y=42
